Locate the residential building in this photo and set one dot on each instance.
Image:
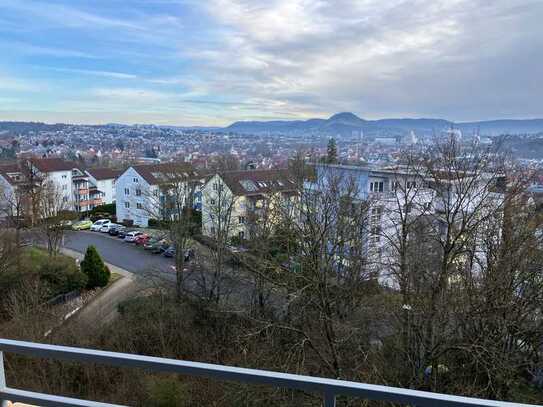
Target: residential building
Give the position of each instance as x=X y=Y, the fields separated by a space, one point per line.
x=13 y=200
x=153 y=191
x=234 y=201
x=80 y=190
x=59 y=173
x=104 y=179
x=87 y=196
x=399 y=195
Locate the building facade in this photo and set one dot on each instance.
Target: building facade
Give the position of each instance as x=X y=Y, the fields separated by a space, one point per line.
x=156 y=191
x=233 y=202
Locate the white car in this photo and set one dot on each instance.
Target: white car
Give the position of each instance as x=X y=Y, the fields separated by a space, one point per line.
x=96 y=226
x=106 y=227
x=131 y=236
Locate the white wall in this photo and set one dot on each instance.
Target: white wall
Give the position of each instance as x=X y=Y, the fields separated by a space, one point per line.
x=210 y=209
x=63 y=183
x=140 y=216
x=6 y=197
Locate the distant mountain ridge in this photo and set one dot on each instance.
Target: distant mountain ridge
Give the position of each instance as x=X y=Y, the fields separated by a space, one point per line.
x=347 y=123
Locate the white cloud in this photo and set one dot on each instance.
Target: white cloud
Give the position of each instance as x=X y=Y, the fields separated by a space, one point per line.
x=106 y=74
x=377 y=58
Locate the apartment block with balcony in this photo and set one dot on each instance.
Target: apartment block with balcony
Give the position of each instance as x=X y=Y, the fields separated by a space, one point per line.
x=152 y=191
x=104 y=179
x=234 y=201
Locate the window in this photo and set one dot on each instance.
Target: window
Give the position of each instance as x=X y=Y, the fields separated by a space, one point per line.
x=376 y=214
x=411 y=184
x=215 y=186
x=127 y=191
x=155 y=192
x=407 y=208
x=64 y=176
x=377 y=186
x=135 y=180
x=138 y=192
x=65 y=199
x=139 y=205
x=241 y=235
x=65 y=187
x=241 y=220
x=127 y=204
x=212 y=202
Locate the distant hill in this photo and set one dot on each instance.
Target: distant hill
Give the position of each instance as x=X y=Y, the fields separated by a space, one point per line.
x=346 y=123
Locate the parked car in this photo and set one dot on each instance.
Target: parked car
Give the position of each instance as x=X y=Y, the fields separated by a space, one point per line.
x=130 y=237
x=122 y=232
x=160 y=247
x=107 y=227
x=96 y=226
x=170 y=252
x=82 y=225
x=115 y=230
x=152 y=242
x=142 y=239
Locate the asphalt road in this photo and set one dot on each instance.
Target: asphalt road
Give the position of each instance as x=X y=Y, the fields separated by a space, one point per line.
x=134 y=259
x=124 y=255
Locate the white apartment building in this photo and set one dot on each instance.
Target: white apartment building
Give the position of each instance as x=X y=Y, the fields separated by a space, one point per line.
x=59 y=173
x=11 y=178
x=145 y=192
x=80 y=190
x=396 y=195
x=233 y=200
x=104 y=179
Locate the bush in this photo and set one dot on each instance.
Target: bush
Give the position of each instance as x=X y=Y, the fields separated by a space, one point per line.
x=63 y=275
x=93 y=266
x=107 y=208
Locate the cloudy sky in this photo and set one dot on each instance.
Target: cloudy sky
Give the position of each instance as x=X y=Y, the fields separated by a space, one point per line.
x=210 y=62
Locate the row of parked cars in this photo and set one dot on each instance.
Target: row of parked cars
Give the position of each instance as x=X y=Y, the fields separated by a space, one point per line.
x=156 y=244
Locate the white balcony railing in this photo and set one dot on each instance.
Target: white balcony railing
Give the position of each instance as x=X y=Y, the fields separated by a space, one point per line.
x=328 y=388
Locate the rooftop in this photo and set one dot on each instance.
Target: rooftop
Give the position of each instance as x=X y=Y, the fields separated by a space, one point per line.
x=252 y=182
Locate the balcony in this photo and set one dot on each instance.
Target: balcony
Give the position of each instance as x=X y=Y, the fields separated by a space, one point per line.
x=87 y=202
x=328 y=388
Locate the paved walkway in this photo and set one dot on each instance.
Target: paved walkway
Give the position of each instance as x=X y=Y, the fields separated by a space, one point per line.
x=104 y=307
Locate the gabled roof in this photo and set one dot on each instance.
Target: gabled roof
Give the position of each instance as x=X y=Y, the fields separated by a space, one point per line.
x=104 y=173
x=53 y=164
x=8 y=170
x=255 y=182
x=156 y=174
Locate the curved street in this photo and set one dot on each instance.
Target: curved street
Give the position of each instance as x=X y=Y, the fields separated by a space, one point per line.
x=121 y=254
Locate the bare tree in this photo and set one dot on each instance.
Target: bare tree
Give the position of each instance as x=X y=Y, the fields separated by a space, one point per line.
x=217 y=222
x=172 y=201
x=53 y=214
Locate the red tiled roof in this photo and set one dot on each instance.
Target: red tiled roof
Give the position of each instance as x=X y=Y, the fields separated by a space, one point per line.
x=104 y=173
x=53 y=164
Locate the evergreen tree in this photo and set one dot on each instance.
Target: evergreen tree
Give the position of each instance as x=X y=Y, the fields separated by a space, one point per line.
x=331 y=157
x=97 y=272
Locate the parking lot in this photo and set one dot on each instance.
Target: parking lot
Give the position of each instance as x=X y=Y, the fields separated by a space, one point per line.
x=115 y=251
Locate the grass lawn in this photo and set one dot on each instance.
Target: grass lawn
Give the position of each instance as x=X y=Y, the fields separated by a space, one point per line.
x=114 y=277
x=37 y=257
